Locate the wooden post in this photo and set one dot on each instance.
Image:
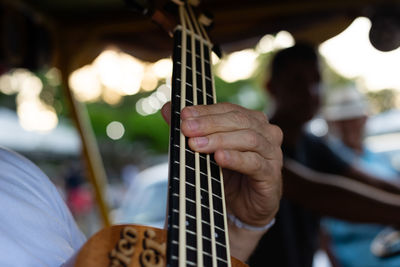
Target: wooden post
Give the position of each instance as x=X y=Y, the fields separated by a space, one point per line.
x=96 y=173
x=94 y=165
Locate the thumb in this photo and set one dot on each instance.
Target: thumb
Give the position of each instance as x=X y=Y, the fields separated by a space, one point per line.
x=166 y=112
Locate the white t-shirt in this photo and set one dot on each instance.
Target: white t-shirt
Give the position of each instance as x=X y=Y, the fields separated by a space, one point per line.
x=36 y=227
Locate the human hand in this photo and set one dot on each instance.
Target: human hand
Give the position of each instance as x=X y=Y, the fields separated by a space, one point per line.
x=247 y=147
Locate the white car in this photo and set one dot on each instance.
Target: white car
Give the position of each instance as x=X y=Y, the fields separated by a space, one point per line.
x=145 y=202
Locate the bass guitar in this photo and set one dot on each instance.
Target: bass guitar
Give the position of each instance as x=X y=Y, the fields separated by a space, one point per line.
x=197 y=225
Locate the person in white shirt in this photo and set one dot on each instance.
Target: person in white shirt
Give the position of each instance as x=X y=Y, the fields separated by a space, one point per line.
x=36 y=227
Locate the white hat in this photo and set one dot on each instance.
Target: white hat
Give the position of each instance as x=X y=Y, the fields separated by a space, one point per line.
x=345 y=103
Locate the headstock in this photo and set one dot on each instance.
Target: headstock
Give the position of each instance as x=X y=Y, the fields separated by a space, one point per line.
x=165 y=12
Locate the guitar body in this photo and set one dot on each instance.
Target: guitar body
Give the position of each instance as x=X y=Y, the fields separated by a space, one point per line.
x=126 y=245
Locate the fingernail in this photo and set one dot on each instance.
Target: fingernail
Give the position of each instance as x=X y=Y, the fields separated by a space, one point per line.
x=192 y=124
x=201 y=141
x=192 y=111
x=226 y=155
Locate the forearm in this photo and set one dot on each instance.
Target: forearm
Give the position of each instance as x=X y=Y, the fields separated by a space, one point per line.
x=378 y=182
x=243 y=242
x=329 y=194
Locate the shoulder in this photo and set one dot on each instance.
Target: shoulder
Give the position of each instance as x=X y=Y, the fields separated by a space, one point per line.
x=36 y=226
x=322 y=157
x=23 y=177
x=313 y=139
x=12 y=162
x=314 y=145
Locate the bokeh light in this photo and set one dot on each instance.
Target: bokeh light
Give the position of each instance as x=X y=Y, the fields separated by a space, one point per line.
x=283 y=39
x=163 y=68
x=115 y=74
x=53 y=76
x=36 y=116
x=119 y=71
x=214 y=58
x=111 y=97
x=85 y=84
x=150 y=80
x=33 y=113
x=115 y=130
x=266 y=44
x=153 y=103
x=238 y=65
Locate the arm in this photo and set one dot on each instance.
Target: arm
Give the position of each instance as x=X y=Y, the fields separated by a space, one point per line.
x=339 y=196
x=247 y=147
x=370 y=179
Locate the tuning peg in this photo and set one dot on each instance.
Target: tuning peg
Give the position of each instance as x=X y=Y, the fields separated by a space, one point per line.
x=194 y=2
x=178 y=2
x=206 y=19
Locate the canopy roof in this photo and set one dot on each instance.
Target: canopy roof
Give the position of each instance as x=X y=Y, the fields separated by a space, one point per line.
x=87 y=26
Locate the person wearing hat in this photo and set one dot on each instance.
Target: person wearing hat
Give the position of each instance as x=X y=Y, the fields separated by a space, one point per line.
x=346 y=111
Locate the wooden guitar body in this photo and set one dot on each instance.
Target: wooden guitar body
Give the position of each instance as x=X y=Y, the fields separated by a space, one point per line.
x=128 y=246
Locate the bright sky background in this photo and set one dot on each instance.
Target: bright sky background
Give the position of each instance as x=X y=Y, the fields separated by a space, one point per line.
x=351 y=54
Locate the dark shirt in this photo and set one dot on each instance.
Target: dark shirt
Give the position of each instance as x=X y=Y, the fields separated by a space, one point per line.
x=292 y=241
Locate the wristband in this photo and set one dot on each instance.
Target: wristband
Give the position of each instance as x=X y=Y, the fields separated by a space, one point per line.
x=238 y=223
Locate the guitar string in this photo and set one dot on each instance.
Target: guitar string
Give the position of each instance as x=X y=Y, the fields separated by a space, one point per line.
x=221 y=176
x=211 y=210
x=211 y=206
x=210 y=175
x=220 y=170
x=199 y=235
x=182 y=177
x=191 y=33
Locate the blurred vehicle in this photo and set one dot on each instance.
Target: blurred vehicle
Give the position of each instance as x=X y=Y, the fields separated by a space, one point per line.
x=383 y=136
x=145 y=202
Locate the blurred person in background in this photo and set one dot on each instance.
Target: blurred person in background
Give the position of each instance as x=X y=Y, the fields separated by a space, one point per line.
x=346 y=111
x=311 y=167
x=79 y=199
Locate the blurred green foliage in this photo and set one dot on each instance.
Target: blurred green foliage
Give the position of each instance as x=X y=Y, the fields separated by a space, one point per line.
x=151 y=129
x=382 y=100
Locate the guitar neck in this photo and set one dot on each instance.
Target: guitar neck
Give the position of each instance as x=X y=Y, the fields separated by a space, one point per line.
x=197 y=227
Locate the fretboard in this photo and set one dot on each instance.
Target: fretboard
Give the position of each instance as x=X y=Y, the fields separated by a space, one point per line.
x=197 y=229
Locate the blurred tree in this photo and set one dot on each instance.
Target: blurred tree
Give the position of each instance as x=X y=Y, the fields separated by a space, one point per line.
x=382 y=100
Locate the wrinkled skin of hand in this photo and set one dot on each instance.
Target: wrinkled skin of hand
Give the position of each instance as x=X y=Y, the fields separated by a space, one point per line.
x=247 y=147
